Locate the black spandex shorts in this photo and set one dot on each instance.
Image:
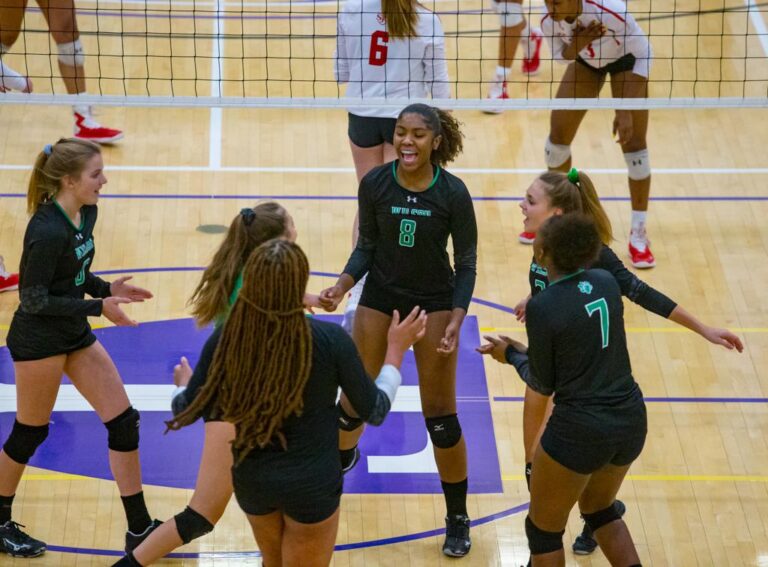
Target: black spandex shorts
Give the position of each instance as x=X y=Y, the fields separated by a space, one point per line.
x=584 y=449
x=261 y=490
x=626 y=63
x=26 y=344
x=386 y=300
x=370 y=131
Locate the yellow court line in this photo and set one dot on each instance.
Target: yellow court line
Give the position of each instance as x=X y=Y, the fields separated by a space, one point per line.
x=634 y=330
x=57 y=476
x=677 y=478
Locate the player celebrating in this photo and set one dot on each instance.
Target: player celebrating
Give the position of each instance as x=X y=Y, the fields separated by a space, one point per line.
x=50 y=334
x=408 y=209
x=385 y=49
x=599 y=39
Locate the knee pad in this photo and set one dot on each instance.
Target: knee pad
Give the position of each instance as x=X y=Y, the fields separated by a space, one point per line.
x=191 y=525
x=346 y=421
x=540 y=541
x=24 y=441
x=597 y=520
x=638 y=165
x=123 y=431
x=556 y=154
x=510 y=14
x=71 y=53
x=445 y=431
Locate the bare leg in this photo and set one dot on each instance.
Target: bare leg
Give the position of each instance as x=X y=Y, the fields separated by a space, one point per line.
x=212 y=492
x=309 y=545
x=268 y=532
x=62 y=23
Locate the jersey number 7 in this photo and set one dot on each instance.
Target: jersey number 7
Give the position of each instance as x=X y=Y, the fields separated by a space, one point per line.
x=601 y=307
x=378 y=52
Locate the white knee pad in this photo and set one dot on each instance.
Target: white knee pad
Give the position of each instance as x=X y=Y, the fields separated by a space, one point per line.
x=556 y=154
x=510 y=13
x=71 y=53
x=638 y=165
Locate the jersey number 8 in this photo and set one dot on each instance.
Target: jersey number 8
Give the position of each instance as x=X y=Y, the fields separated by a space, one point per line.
x=407 y=233
x=378 y=51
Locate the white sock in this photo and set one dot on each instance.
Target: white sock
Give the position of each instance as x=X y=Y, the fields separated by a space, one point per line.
x=502 y=73
x=82 y=109
x=355 y=293
x=637 y=236
x=11 y=79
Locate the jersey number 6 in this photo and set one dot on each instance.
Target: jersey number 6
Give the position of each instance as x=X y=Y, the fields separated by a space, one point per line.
x=378 y=52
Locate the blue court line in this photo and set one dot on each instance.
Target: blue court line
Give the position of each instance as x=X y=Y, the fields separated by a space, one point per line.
x=342 y=547
x=673 y=400
x=690 y=199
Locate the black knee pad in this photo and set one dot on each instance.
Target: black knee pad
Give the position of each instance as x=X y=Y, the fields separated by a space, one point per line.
x=444 y=431
x=346 y=421
x=191 y=525
x=123 y=431
x=540 y=541
x=597 y=520
x=24 y=441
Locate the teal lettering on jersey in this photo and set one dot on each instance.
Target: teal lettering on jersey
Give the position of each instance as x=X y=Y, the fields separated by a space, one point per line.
x=421 y=213
x=536 y=269
x=83 y=249
x=80 y=279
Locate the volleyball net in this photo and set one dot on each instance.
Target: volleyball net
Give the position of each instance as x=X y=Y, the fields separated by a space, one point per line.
x=222 y=53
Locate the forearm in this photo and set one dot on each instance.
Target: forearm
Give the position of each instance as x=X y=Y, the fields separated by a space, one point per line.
x=687 y=320
x=345 y=282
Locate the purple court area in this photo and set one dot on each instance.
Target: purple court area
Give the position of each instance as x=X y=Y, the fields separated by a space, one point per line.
x=397 y=457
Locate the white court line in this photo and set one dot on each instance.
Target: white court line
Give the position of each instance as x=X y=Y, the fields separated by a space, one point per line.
x=152 y=397
x=214 y=131
x=759 y=24
x=477 y=170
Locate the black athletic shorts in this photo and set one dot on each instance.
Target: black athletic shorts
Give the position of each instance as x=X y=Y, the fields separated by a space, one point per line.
x=580 y=442
x=384 y=300
x=370 y=131
x=625 y=63
x=32 y=338
x=308 y=493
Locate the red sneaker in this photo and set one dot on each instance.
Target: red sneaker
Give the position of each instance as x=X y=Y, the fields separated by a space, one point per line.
x=498 y=92
x=642 y=259
x=532 y=62
x=526 y=237
x=9 y=282
x=86 y=128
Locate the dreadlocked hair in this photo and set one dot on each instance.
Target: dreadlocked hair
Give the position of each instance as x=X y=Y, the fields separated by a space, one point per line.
x=442 y=123
x=262 y=362
x=249 y=229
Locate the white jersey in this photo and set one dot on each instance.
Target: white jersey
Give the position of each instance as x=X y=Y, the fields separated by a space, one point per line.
x=623 y=36
x=377 y=66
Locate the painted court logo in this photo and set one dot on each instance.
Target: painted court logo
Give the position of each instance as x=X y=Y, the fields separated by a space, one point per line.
x=397 y=457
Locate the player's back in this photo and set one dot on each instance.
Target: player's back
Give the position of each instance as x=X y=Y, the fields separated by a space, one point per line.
x=380 y=65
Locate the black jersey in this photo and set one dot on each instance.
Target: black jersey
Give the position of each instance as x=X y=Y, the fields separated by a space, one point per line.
x=54 y=277
x=314 y=434
x=635 y=289
x=404 y=236
x=576 y=342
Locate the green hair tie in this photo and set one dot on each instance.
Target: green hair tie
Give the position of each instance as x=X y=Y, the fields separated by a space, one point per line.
x=573 y=176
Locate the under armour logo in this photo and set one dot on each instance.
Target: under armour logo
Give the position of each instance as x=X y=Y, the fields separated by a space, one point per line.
x=380 y=19
x=78 y=236
x=410 y=199
x=638 y=162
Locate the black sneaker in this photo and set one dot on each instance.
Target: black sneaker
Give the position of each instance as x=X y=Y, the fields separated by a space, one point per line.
x=133 y=540
x=350 y=463
x=16 y=543
x=457 y=542
x=586 y=543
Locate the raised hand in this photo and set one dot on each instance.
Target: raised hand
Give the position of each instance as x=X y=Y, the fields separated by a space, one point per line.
x=119 y=288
